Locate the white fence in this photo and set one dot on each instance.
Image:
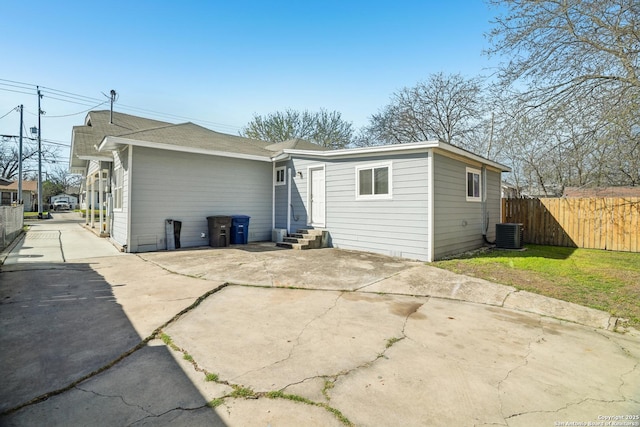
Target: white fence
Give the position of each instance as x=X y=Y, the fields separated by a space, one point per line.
x=11 y=223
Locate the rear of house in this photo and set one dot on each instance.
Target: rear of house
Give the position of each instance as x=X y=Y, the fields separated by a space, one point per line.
x=420 y=201
x=185 y=187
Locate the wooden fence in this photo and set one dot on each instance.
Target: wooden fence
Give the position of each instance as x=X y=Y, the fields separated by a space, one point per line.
x=597 y=223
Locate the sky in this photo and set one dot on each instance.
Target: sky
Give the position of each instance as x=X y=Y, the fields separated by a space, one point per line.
x=219 y=63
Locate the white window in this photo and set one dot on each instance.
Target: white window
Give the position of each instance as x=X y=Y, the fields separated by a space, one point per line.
x=473 y=185
x=280 y=176
x=118 y=178
x=373 y=181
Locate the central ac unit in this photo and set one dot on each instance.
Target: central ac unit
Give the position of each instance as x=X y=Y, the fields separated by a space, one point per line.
x=509 y=236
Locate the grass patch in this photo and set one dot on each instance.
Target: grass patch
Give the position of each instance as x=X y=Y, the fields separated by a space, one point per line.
x=295 y=398
x=211 y=377
x=392 y=341
x=34 y=215
x=215 y=402
x=188 y=357
x=328 y=385
x=604 y=280
x=168 y=341
x=239 y=391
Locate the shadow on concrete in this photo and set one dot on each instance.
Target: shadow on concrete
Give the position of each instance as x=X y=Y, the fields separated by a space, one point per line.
x=60 y=324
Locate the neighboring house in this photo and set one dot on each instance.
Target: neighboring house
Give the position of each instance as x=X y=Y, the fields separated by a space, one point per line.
x=601 y=192
x=509 y=191
x=9 y=194
x=422 y=201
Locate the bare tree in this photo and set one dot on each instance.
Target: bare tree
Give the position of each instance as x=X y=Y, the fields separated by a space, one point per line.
x=9 y=153
x=65 y=181
x=565 y=50
x=447 y=107
x=324 y=128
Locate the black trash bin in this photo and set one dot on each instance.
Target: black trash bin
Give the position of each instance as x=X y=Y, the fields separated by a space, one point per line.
x=219 y=230
x=172 y=230
x=239 y=229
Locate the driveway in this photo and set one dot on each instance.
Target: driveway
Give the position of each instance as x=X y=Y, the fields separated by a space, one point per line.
x=287 y=338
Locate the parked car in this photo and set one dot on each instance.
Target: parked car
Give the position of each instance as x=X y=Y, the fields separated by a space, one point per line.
x=61 y=205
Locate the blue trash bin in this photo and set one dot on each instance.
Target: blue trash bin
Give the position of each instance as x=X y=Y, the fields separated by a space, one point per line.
x=239 y=229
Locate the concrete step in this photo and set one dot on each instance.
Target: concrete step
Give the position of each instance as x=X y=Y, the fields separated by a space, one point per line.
x=310 y=231
x=304 y=238
x=289 y=245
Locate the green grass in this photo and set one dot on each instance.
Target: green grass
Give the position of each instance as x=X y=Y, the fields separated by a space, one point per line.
x=211 y=377
x=96 y=213
x=239 y=391
x=603 y=280
x=34 y=215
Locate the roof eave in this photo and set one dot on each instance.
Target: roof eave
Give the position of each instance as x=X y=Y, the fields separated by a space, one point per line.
x=395 y=148
x=110 y=143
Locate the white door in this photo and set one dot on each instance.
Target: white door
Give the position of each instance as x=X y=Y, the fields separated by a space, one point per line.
x=317 y=197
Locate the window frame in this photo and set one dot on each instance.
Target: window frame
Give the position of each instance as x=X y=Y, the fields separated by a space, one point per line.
x=118 y=186
x=473 y=197
x=277 y=170
x=373 y=166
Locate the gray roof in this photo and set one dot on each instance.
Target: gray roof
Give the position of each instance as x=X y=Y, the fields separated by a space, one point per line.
x=295 y=144
x=85 y=139
x=190 y=135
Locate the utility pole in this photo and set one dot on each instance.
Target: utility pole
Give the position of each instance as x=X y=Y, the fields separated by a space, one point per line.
x=20 y=158
x=39 y=156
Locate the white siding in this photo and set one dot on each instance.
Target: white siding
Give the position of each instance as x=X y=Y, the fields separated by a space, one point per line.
x=119 y=223
x=188 y=188
x=396 y=227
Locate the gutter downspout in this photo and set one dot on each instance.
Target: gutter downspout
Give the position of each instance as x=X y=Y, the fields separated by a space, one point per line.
x=288 y=200
x=129 y=185
x=273 y=196
x=485 y=213
x=430 y=207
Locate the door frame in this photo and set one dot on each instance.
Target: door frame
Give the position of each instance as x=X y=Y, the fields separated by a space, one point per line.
x=311 y=168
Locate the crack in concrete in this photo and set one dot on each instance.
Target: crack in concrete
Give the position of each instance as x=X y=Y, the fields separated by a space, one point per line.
x=122 y=399
x=623 y=374
x=378 y=281
x=506 y=297
x=179 y=408
x=390 y=343
x=118 y=359
x=297 y=340
x=567 y=406
x=525 y=361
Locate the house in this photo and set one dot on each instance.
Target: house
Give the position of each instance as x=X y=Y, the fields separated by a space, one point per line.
x=9 y=194
x=585 y=192
x=421 y=201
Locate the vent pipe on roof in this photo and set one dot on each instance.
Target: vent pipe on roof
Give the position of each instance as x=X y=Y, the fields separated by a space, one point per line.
x=113 y=99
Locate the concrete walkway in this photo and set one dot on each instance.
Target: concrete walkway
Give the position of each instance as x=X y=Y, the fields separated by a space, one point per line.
x=287 y=338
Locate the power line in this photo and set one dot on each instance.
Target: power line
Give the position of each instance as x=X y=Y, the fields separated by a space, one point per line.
x=19 y=83
x=46 y=141
x=9 y=112
x=75 y=114
x=16 y=91
x=83 y=100
x=88 y=98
